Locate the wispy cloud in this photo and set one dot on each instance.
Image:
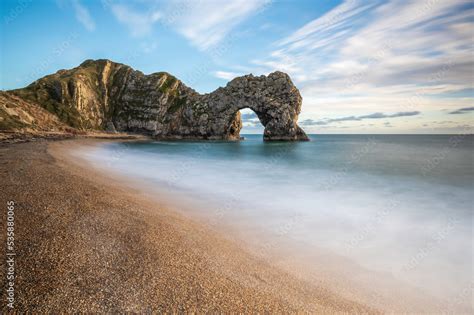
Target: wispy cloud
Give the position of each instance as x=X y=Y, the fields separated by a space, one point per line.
x=250 y=119
x=138 y=22
x=203 y=22
x=382 y=115
x=249 y=116
x=311 y=122
x=464 y=110
x=206 y=22
x=83 y=15
x=226 y=75
x=390 y=55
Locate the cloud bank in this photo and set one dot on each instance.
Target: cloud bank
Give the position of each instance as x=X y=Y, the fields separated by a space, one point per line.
x=464 y=110
x=311 y=122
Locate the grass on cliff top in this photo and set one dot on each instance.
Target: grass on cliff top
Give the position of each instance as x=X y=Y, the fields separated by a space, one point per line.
x=167 y=85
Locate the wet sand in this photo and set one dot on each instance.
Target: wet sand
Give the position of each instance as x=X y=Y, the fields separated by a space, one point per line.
x=86 y=243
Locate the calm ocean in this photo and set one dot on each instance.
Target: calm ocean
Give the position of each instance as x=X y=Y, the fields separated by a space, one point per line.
x=397 y=204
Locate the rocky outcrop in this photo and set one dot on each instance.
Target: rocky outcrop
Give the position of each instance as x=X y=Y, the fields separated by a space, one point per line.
x=110 y=96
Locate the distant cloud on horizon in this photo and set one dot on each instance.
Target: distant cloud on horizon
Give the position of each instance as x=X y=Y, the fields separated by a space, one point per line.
x=311 y=122
x=464 y=110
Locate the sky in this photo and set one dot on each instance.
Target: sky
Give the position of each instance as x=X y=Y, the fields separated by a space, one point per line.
x=362 y=66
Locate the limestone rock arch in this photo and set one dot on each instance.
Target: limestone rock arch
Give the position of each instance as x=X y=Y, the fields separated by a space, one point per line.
x=274 y=99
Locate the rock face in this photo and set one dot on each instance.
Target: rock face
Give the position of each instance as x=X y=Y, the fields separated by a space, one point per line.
x=110 y=96
x=17 y=114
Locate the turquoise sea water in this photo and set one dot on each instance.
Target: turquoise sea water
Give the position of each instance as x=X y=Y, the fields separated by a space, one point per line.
x=399 y=204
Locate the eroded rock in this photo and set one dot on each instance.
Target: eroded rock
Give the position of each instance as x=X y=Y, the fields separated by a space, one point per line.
x=101 y=94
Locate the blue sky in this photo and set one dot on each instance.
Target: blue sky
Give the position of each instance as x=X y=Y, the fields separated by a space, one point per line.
x=362 y=66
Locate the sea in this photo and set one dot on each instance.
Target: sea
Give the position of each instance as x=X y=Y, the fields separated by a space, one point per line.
x=395 y=205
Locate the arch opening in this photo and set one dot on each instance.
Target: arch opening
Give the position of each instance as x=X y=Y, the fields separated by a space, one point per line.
x=252 y=123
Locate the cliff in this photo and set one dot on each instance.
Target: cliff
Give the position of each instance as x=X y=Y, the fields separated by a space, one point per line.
x=104 y=95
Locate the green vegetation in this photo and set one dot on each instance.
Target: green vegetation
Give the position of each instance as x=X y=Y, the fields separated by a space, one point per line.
x=177 y=104
x=66 y=114
x=169 y=82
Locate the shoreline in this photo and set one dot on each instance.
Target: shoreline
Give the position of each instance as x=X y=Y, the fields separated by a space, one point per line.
x=89 y=244
x=12 y=137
